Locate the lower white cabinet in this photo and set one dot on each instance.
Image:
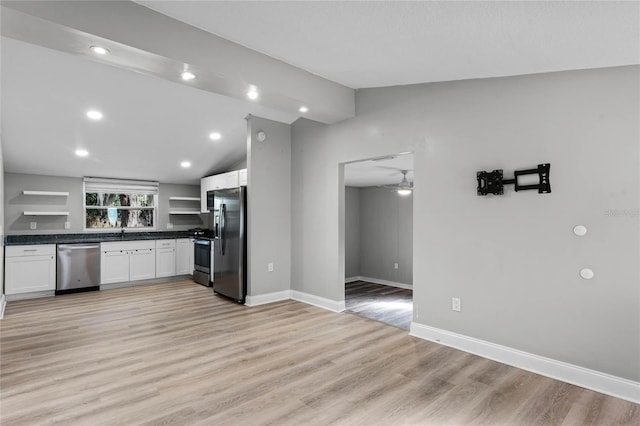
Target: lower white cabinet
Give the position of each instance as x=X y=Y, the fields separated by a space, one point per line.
x=165 y=258
x=184 y=256
x=127 y=261
x=30 y=268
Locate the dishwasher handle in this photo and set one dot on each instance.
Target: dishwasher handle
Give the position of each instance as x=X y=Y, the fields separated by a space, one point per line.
x=78 y=246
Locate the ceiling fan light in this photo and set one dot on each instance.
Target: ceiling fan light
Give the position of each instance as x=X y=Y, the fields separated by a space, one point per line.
x=404 y=191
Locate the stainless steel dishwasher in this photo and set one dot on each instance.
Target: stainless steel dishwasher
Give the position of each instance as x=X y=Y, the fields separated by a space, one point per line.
x=78 y=267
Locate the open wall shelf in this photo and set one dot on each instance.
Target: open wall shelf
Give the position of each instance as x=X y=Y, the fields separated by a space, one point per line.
x=184 y=198
x=47 y=193
x=31 y=213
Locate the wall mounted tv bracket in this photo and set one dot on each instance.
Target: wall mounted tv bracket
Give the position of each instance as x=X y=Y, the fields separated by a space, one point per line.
x=493 y=182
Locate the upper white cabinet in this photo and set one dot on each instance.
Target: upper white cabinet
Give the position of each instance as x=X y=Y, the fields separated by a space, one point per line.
x=30 y=268
x=221 y=181
x=242 y=177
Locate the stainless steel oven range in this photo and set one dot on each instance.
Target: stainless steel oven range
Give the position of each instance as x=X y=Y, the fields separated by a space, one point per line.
x=203 y=260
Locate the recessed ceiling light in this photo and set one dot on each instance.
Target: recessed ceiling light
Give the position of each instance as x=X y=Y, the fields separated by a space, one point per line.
x=215 y=136
x=99 y=50
x=186 y=76
x=252 y=93
x=82 y=152
x=185 y=164
x=303 y=109
x=94 y=115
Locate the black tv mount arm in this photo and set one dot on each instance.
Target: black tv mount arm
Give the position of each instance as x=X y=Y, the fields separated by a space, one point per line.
x=493 y=182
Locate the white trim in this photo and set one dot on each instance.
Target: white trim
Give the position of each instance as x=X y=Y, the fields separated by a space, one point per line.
x=263 y=299
x=31 y=295
x=3 y=304
x=379 y=281
x=321 y=302
x=576 y=375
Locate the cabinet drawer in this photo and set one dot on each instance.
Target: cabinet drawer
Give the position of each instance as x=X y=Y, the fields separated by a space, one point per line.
x=128 y=245
x=30 y=250
x=165 y=244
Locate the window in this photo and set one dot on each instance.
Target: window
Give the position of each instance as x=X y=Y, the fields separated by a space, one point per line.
x=111 y=204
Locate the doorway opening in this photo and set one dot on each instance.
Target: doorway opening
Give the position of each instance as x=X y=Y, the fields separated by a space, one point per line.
x=378 y=232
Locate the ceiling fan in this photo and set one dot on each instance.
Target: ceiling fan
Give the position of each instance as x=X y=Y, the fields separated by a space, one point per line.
x=404 y=187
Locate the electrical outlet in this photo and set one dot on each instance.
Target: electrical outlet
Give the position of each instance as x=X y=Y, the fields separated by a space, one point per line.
x=169 y=225
x=395 y=266
x=270 y=267
x=33 y=225
x=455 y=304
x=67 y=225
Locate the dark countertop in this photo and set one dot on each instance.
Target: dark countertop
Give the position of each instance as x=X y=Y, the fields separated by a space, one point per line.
x=93 y=237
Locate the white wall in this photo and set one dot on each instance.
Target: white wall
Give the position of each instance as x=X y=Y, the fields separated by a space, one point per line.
x=512 y=260
x=269 y=207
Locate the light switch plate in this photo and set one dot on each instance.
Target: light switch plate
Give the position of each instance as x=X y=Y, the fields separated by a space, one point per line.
x=33 y=225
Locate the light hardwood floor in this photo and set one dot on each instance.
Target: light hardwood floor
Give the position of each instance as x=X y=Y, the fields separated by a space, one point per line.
x=390 y=305
x=176 y=354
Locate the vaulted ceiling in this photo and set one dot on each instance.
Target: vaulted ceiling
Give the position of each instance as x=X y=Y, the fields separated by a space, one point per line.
x=296 y=53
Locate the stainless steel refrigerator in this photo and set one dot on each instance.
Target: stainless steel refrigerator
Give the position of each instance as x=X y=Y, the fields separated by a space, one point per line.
x=229 y=269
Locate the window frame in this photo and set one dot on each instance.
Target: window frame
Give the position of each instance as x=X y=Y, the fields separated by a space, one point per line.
x=119 y=186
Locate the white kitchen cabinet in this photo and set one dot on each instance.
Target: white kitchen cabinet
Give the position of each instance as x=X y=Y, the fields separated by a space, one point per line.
x=206 y=184
x=114 y=266
x=142 y=264
x=231 y=179
x=30 y=268
x=127 y=261
x=242 y=177
x=221 y=181
x=184 y=256
x=165 y=258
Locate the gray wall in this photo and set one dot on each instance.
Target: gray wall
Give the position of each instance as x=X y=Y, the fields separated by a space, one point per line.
x=386 y=235
x=15 y=203
x=352 y=232
x=269 y=207
x=512 y=260
x=179 y=222
x=1 y=219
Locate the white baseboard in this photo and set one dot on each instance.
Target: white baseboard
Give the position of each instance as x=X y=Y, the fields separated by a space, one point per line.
x=32 y=295
x=321 y=302
x=579 y=376
x=379 y=281
x=3 y=303
x=263 y=299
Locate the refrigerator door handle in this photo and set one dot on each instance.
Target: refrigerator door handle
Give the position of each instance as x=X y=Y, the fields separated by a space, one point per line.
x=212 y=257
x=223 y=224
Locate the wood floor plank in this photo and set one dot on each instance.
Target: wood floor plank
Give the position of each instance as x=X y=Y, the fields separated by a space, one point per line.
x=176 y=354
x=387 y=304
